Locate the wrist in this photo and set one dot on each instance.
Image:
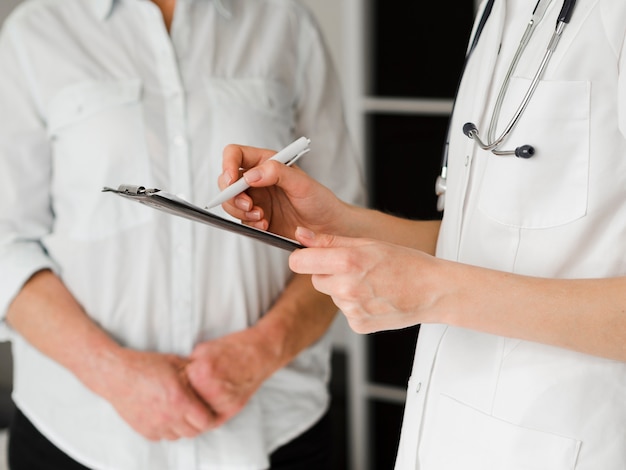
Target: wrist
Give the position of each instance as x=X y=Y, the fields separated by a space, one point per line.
x=99 y=364
x=349 y=221
x=271 y=342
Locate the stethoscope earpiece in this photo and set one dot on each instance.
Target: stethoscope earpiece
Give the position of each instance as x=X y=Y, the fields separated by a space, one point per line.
x=525 y=151
x=469 y=129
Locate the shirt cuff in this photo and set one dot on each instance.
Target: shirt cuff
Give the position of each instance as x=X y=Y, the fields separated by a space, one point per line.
x=17 y=266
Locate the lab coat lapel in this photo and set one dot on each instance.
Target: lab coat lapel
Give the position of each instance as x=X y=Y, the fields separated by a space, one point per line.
x=483 y=59
x=470 y=106
x=572 y=30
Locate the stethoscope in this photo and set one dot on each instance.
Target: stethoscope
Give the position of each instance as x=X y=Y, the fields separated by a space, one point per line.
x=469 y=129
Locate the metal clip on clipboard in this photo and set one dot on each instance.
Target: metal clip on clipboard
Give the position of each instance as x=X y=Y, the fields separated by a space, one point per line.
x=172 y=204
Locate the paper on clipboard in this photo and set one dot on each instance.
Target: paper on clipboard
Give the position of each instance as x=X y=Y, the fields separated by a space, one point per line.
x=172 y=204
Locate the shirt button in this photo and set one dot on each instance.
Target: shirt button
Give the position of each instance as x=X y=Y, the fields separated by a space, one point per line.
x=467 y=160
x=179 y=141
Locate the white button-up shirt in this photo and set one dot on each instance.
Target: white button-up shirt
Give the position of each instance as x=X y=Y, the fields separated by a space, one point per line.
x=482 y=402
x=96 y=93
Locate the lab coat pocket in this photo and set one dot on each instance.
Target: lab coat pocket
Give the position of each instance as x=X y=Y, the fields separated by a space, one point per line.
x=98 y=139
x=549 y=189
x=253 y=111
x=466 y=438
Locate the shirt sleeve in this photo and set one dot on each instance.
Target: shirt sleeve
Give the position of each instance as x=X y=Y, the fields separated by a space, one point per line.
x=320 y=116
x=25 y=209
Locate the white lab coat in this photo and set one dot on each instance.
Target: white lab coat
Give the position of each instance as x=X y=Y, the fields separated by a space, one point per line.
x=481 y=402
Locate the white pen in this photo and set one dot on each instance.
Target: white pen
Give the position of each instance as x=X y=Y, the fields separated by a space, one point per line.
x=288 y=156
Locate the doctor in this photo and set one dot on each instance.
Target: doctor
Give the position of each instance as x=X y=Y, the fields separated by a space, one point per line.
x=521 y=289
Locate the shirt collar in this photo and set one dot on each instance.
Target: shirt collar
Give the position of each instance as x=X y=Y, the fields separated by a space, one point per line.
x=223 y=8
x=102 y=8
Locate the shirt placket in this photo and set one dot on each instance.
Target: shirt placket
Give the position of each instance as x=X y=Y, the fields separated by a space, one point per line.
x=178 y=150
x=177 y=145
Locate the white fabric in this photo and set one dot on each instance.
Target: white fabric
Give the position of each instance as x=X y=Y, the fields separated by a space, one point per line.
x=96 y=93
x=482 y=402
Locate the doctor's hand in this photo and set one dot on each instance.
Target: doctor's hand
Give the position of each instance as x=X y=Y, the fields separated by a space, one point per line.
x=227 y=371
x=280 y=197
x=376 y=285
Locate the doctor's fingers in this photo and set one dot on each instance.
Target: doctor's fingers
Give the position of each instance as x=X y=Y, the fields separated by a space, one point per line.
x=334 y=272
x=242 y=208
x=365 y=312
x=235 y=157
x=292 y=180
x=330 y=254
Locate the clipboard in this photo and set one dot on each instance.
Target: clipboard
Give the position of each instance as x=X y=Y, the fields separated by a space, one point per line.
x=175 y=205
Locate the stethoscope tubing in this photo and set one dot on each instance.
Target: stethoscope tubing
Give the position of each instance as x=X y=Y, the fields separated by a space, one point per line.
x=470 y=129
x=473 y=133
x=566 y=11
x=492 y=143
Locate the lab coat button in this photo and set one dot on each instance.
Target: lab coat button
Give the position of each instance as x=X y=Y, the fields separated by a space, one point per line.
x=467 y=160
x=418 y=387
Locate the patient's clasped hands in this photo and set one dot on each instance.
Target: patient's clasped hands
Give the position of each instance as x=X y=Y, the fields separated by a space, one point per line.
x=165 y=396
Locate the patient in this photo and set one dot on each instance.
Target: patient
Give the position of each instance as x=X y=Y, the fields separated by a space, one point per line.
x=142 y=340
